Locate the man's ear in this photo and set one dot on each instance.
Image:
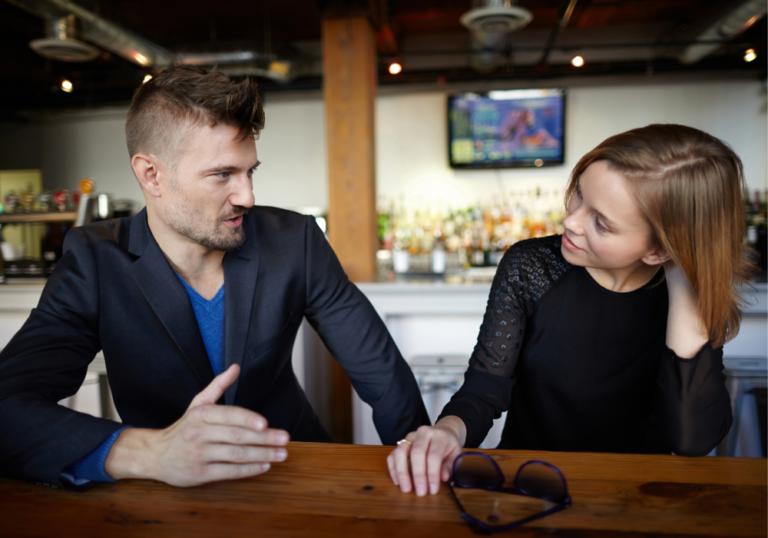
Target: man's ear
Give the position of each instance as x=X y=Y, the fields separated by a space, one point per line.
x=656 y=256
x=147 y=169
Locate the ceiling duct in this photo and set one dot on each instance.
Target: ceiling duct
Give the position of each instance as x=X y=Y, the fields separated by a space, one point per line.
x=64 y=18
x=99 y=31
x=734 y=22
x=61 y=41
x=490 y=21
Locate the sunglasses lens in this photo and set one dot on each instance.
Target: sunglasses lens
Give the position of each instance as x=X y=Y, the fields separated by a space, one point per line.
x=474 y=471
x=540 y=481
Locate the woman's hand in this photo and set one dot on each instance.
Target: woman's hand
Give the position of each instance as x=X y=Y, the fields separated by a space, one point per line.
x=686 y=331
x=428 y=456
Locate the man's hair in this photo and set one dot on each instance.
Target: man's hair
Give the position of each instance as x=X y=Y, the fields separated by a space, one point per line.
x=690 y=186
x=164 y=107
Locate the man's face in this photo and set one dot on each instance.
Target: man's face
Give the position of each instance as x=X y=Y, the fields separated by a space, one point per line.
x=211 y=187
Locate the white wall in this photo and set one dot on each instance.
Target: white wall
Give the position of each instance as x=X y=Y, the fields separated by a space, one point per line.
x=71 y=146
x=411 y=142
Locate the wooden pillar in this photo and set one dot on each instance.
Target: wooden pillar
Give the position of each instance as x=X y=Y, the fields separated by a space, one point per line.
x=349 y=86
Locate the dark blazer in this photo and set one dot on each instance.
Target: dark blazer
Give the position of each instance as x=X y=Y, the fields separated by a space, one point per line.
x=114 y=290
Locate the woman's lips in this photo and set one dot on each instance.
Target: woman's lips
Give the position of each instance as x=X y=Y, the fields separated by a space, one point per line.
x=567 y=243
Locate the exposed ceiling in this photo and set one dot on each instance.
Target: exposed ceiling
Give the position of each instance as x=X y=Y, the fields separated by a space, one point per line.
x=615 y=37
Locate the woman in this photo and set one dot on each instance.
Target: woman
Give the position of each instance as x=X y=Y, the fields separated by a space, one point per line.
x=609 y=338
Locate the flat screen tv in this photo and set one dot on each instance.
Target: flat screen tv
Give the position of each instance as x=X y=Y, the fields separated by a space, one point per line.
x=509 y=128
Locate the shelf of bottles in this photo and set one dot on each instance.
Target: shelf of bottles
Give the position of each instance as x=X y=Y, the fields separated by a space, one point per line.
x=756 y=211
x=433 y=238
x=56 y=212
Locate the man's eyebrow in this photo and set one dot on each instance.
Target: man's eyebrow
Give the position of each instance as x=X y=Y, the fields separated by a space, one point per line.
x=227 y=168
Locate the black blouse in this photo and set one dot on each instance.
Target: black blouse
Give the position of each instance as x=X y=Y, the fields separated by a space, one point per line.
x=583 y=368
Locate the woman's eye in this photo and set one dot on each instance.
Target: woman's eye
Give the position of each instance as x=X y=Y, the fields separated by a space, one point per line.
x=600 y=225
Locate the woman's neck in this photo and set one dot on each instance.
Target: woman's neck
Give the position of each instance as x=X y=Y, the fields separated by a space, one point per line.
x=626 y=279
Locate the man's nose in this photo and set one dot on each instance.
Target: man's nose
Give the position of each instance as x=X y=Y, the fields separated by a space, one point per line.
x=243 y=194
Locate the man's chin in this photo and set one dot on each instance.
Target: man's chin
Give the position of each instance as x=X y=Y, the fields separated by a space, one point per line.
x=228 y=242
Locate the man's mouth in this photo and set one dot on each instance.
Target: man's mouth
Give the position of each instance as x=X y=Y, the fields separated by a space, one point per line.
x=234 y=222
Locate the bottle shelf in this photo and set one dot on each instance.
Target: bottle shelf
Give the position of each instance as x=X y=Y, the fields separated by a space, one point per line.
x=51 y=216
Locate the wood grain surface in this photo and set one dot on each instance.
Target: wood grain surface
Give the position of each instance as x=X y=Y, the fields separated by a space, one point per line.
x=344 y=490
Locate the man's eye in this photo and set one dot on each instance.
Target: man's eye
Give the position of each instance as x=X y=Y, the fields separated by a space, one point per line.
x=222 y=175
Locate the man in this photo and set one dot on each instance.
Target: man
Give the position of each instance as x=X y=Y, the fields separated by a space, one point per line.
x=195 y=302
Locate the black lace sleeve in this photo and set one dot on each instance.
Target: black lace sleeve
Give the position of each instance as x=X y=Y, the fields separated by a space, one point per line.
x=526 y=272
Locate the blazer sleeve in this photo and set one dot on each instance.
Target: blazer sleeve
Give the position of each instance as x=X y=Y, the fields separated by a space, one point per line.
x=359 y=341
x=46 y=362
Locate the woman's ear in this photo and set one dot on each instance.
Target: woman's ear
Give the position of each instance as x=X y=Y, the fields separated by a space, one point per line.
x=146 y=169
x=656 y=256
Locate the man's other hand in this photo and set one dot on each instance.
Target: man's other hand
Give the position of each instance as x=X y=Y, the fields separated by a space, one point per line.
x=209 y=443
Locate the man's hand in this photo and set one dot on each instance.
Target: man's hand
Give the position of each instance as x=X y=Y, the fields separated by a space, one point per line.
x=209 y=443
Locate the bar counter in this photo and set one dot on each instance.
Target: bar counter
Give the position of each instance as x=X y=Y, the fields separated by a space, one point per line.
x=344 y=490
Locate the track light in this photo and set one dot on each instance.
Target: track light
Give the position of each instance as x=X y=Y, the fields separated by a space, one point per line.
x=749 y=55
x=66 y=86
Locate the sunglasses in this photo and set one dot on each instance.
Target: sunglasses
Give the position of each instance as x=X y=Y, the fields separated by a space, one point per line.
x=535 y=480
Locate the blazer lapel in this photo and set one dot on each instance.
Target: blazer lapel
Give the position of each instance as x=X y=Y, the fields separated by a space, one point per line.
x=240 y=271
x=167 y=297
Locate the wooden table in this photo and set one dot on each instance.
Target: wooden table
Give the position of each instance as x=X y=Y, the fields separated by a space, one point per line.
x=344 y=490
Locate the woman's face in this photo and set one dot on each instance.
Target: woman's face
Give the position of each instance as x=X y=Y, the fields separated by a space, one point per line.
x=605 y=228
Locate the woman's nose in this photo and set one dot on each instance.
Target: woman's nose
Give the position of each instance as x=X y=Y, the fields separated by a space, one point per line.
x=572 y=223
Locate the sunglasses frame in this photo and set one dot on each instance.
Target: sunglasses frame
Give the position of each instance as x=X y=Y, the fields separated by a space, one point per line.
x=480 y=527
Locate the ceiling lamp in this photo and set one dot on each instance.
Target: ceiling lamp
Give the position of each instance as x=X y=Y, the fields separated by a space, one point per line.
x=66 y=86
x=490 y=23
x=750 y=55
x=395 y=68
x=61 y=42
x=577 y=61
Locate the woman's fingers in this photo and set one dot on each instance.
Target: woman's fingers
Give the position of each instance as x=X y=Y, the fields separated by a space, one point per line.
x=419 y=460
x=435 y=457
x=425 y=461
x=392 y=468
x=403 y=478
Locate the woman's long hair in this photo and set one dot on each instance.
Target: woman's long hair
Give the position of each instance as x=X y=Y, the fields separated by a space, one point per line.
x=690 y=186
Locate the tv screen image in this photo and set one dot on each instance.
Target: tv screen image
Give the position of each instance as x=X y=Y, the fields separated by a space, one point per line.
x=507 y=128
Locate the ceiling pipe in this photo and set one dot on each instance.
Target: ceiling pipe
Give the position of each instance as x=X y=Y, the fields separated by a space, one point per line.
x=63 y=15
x=101 y=32
x=734 y=22
x=564 y=17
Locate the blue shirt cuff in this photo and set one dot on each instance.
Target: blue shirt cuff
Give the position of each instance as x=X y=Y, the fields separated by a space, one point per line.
x=91 y=467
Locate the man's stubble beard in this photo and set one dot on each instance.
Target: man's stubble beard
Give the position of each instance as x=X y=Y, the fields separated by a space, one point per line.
x=185 y=221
